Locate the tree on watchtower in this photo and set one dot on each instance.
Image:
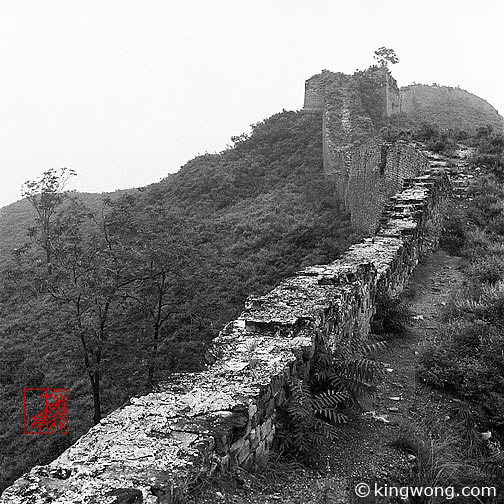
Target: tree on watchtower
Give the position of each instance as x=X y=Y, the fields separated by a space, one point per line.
x=385 y=56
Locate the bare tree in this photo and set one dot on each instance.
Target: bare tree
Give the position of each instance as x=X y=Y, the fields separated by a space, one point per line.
x=46 y=194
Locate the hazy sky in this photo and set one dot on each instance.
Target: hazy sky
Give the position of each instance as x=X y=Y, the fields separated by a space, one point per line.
x=127 y=91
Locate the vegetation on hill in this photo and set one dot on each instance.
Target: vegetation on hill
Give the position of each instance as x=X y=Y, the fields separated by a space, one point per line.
x=451 y=111
x=449 y=108
x=140 y=284
x=16 y=218
x=467 y=358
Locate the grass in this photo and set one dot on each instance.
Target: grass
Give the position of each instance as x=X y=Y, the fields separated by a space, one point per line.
x=466 y=357
x=441 y=459
x=271 y=479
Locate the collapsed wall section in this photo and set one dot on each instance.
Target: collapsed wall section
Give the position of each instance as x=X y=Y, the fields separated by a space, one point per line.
x=392 y=95
x=314 y=93
x=345 y=124
x=153 y=449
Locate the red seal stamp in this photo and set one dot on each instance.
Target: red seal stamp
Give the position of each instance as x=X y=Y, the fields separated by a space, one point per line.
x=50 y=406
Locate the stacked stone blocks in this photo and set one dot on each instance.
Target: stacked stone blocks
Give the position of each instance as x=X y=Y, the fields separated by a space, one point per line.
x=376 y=172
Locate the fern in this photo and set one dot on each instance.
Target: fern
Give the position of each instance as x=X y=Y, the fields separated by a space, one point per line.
x=338 y=380
x=305 y=419
x=350 y=370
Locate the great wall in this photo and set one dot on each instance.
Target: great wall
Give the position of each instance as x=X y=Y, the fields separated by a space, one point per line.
x=151 y=450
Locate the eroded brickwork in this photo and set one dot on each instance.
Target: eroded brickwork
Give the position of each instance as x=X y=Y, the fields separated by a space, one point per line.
x=392 y=96
x=376 y=172
x=314 y=94
x=151 y=450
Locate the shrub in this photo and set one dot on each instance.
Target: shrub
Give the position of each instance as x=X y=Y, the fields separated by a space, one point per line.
x=439 y=366
x=439 y=462
x=490 y=152
x=469 y=337
x=496 y=225
x=390 y=134
x=487 y=269
x=454 y=231
x=392 y=316
x=468 y=358
x=468 y=361
x=477 y=243
x=439 y=145
x=435 y=139
x=496 y=248
x=491 y=304
x=427 y=132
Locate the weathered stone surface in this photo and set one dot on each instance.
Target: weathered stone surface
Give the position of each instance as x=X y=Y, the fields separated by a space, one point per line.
x=160 y=439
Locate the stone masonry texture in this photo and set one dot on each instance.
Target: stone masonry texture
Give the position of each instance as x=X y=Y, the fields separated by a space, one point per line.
x=376 y=172
x=153 y=449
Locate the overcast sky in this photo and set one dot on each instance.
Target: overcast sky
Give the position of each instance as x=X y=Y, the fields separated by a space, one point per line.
x=127 y=91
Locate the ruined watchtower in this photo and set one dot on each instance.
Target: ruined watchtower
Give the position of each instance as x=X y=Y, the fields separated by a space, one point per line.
x=366 y=170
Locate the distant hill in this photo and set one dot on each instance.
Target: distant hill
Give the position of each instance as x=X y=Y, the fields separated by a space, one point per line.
x=373 y=101
x=14 y=220
x=448 y=107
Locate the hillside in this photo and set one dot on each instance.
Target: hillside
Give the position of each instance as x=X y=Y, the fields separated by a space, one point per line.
x=449 y=108
x=14 y=219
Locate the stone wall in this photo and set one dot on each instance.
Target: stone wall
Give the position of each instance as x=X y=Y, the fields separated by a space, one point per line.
x=314 y=94
x=392 y=96
x=345 y=123
x=151 y=450
x=376 y=172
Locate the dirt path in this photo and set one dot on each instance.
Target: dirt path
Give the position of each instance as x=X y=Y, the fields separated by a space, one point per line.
x=365 y=453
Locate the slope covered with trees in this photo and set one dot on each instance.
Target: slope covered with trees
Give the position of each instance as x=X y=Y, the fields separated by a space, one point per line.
x=16 y=218
x=138 y=285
